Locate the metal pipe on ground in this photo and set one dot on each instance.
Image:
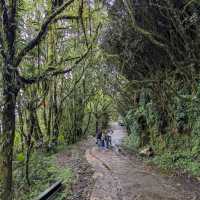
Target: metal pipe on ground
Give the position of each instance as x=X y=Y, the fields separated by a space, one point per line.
x=50 y=192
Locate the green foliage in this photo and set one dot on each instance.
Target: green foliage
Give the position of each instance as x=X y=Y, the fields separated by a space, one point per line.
x=55 y=52
x=131 y=142
x=61 y=139
x=179 y=149
x=20 y=157
x=17 y=142
x=44 y=172
x=132 y=121
x=178 y=160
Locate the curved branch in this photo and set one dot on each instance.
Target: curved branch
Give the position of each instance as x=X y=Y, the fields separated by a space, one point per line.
x=66 y=17
x=2 y=47
x=152 y=37
x=50 y=72
x=81 y=20
x=5 y=16
x=43 y=30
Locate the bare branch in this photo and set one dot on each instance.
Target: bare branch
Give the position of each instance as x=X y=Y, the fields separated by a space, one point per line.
x=13 y=10
x=43 y=30
x=76 y=82
x=66 y=17
x=44 y=76
x=82 y=23
x=152 y=37
x=188 y=4
x=1 y=46
x=50 y=72
x=5 y=16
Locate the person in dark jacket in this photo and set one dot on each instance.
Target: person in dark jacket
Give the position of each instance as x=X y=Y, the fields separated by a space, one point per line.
x=99 y=137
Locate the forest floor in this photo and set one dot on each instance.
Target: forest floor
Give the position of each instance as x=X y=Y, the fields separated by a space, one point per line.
x=111 y=175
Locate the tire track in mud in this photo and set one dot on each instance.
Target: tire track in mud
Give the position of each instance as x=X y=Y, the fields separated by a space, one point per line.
x=106 y=172
x=101 y=161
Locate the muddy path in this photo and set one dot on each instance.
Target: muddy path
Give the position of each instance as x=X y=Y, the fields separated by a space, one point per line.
x=117 y=177
x=74 y=158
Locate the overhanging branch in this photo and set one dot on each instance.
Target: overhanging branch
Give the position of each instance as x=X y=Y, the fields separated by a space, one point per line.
x=50 y=72
x=66 y=17
x=43 y=30
x=5 y=17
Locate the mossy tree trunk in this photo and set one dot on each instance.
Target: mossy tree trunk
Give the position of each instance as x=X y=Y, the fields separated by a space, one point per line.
x=12 y=82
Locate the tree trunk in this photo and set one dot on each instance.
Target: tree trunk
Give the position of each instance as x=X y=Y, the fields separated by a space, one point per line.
x=97 y=124
x=88 y=124
x=8 y=131
x=29 y=143
x=38 y=130
x=28 y=154
x=21 y=125
x=55 y=131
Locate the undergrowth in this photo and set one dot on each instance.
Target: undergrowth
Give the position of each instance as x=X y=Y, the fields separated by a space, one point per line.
x=170 y=158
x=173 y=151
x=44 y=171
x=178 y=153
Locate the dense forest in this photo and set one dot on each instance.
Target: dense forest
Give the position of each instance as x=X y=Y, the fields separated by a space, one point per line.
x=68 y=67
x=156 y=47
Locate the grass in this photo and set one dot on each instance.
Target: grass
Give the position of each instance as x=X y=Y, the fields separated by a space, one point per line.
x=44 y=171
x=172 y=154
x=181 y=161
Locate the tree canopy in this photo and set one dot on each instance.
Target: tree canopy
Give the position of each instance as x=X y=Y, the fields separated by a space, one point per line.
x=68 y=66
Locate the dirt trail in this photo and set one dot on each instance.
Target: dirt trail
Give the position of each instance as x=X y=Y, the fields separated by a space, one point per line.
x=119 y=178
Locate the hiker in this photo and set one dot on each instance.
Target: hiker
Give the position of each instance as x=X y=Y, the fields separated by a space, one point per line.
x=110 y=132
x=99 y=138
x=103 y=139
x=108 y=141
x=105 y=142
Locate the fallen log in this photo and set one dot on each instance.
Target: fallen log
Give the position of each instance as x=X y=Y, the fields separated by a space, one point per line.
x=47 y=194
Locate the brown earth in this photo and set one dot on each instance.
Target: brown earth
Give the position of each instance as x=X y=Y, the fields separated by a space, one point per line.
x=74 y=158
x=110 y=175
